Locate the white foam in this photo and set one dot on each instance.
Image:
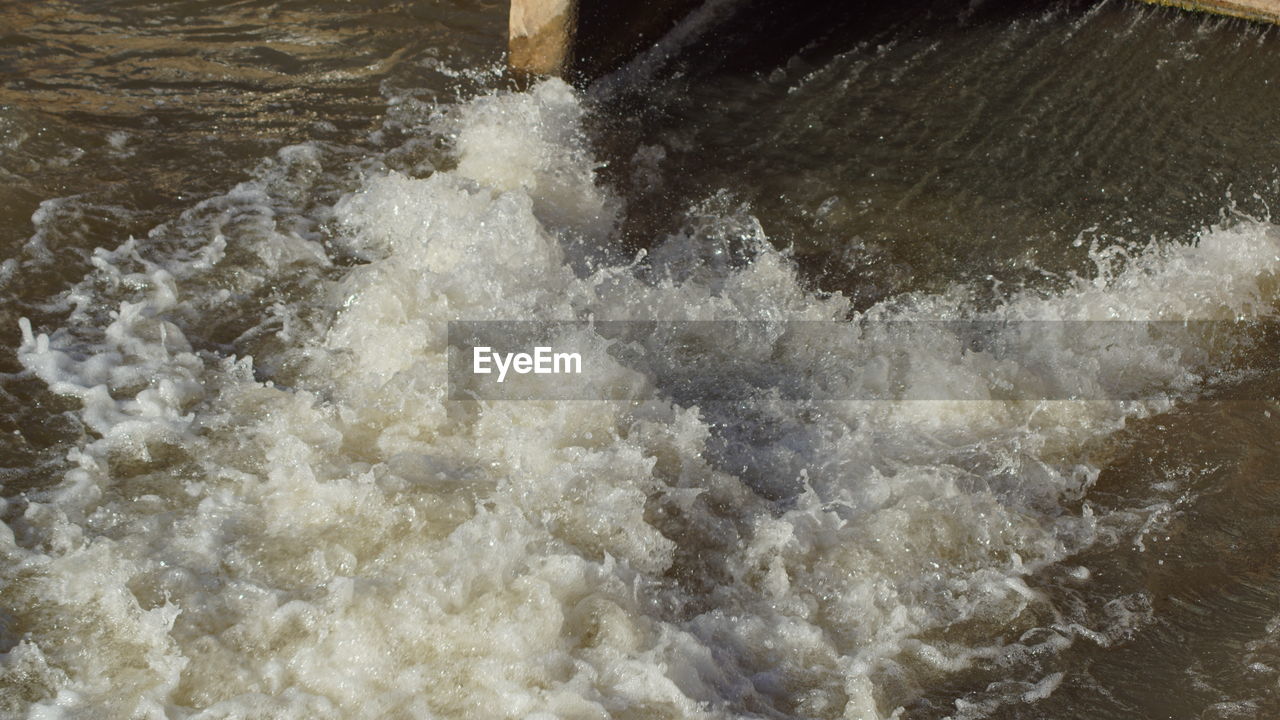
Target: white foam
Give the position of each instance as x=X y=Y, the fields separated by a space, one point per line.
x=354 y=546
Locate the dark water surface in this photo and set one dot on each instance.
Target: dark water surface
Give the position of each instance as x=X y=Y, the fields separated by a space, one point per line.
x=116 y=116
x=1000 y=142
x=1109 y=158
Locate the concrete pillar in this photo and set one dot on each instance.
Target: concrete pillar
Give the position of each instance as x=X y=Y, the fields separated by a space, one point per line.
x=540 y=35
x=583 y=39
x=1263 y=10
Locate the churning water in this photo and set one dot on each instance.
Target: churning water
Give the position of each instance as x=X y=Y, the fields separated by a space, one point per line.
x=234 y=486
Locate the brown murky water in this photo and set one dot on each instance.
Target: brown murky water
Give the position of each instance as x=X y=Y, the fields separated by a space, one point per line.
x=1103 y=155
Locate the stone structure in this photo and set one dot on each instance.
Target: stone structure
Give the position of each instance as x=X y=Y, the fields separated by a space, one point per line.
x=583 y=39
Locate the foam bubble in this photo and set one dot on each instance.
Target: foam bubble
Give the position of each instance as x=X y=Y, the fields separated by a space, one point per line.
x=316 y=532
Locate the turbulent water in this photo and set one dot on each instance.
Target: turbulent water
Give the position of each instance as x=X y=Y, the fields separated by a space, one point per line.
x=235 y=485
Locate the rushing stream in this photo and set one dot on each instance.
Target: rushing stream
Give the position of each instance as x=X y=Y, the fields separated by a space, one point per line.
x=235 y=484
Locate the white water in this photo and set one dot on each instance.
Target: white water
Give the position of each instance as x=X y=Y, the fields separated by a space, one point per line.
x=346 y=543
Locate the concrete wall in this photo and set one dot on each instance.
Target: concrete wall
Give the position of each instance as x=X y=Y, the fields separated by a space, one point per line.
x=1264 y=10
